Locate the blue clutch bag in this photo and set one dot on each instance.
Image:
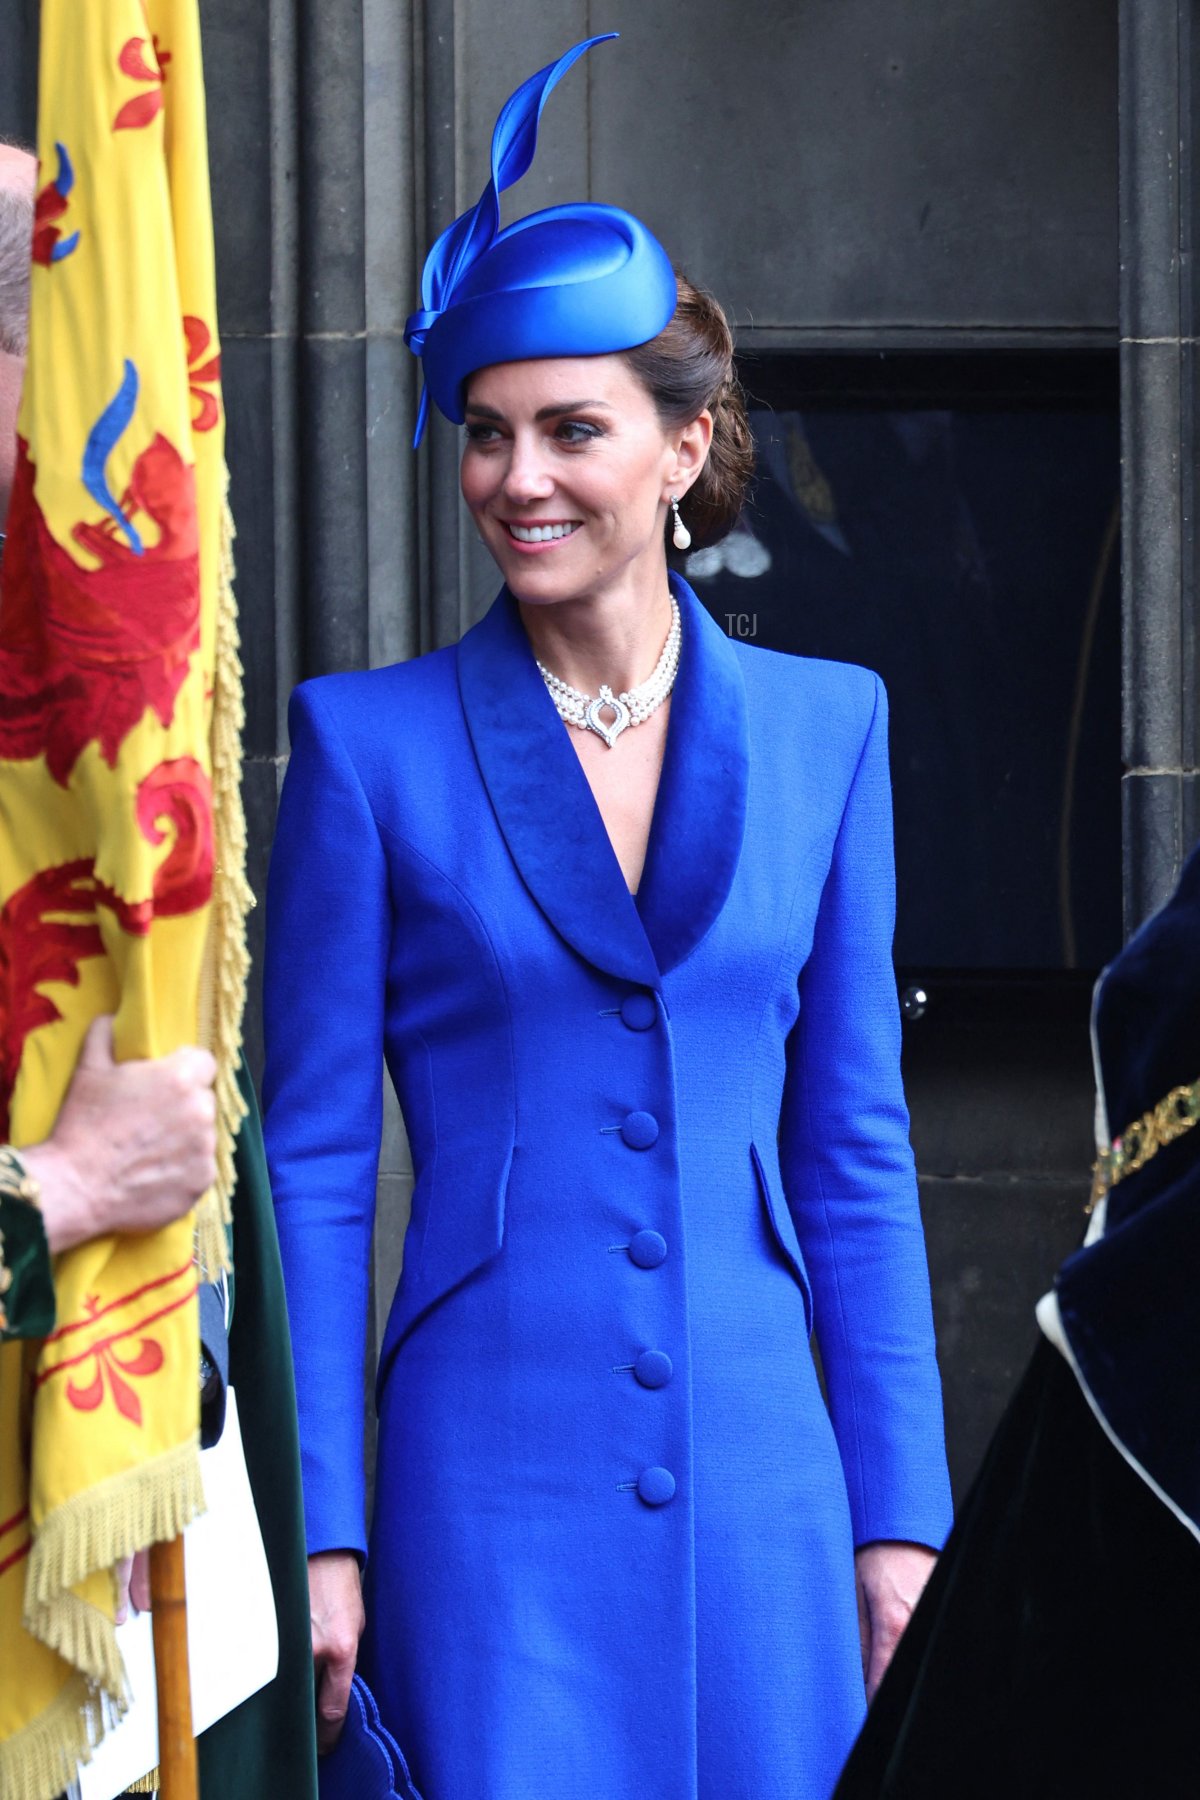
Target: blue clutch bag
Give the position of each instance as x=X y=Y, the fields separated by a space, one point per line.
x=366 y=1763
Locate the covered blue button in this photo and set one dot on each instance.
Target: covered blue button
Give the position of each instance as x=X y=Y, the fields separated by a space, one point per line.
x=656 y=1486
x=638 y=1010
x=648 y=1249
x=639 y=1129
x=653 y=1368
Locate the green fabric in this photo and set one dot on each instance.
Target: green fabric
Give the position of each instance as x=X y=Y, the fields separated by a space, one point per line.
x=267 y=1746
x=27 y=1301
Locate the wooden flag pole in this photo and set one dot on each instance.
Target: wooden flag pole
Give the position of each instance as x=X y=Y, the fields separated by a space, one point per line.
x=168 y=1611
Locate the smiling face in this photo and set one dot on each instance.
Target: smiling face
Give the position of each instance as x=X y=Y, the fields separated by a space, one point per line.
x=567 y=469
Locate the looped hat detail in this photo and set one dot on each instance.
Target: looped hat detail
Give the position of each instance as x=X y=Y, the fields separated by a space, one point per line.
x=572 y=280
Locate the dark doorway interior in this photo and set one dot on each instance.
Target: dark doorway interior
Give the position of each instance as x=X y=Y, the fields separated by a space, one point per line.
x=952 y=521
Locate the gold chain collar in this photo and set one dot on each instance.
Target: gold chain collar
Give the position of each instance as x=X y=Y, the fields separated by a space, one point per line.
x=1169 y=1120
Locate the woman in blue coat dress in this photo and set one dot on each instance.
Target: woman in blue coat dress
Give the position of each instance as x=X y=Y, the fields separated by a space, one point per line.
x=612 y=897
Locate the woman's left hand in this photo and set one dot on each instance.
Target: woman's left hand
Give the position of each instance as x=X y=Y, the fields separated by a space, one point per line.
x=888 y=1578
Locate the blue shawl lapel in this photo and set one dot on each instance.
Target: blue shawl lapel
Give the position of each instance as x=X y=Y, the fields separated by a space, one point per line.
x=551 y=822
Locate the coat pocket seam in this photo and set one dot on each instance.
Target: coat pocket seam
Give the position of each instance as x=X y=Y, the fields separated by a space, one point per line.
x=793 y=1256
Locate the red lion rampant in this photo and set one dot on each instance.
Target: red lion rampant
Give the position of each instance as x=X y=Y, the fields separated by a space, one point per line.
x=36 y=948
x=84 y=652
x=39 y=945
x=181 y=792
x=53 y=200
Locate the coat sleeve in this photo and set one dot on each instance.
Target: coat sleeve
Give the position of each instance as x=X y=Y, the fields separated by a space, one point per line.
x=328 y=929
x=851 y=1186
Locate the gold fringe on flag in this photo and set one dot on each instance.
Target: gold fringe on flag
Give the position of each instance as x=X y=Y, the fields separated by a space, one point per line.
x=96 y=1528
x=227 y=958
x=44 y=1757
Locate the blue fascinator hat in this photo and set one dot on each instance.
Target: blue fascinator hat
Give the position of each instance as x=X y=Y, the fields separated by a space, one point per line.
x=576 y=280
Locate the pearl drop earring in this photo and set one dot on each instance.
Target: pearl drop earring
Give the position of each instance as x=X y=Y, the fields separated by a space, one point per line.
x=681 y=537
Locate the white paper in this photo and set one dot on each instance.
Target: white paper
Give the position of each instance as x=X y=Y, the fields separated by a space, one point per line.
x=233 y=1634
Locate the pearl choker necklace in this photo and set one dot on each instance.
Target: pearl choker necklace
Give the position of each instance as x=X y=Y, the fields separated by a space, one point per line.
x=633 y=706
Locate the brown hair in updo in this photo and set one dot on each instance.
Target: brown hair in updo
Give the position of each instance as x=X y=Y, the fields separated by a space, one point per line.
x=687 y=367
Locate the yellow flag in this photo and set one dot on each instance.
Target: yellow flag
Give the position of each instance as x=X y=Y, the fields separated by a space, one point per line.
x=121 y=844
